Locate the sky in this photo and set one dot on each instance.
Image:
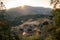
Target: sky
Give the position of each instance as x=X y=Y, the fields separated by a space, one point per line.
x=35 y=3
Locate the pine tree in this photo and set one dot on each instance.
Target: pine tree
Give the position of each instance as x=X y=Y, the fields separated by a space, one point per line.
x=5 y=25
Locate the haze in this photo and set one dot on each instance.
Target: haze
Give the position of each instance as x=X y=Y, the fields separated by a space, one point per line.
x=36 y=3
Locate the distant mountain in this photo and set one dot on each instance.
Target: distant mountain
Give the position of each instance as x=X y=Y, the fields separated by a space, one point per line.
x=28 y=10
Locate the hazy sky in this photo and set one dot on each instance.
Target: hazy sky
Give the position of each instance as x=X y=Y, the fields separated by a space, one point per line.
x=15 y=3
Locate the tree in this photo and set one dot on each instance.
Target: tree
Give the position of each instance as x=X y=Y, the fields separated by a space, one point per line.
x=56 y=20
x=54 y=2
x=55 y=33
x=5 y=25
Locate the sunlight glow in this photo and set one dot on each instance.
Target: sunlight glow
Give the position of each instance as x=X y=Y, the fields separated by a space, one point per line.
x=15 y=3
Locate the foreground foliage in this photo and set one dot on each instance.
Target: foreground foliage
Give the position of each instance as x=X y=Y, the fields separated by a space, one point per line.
x=55 y=33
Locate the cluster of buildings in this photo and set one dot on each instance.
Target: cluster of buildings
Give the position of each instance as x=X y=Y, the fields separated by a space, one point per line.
x=30 y=28
x=27 y=30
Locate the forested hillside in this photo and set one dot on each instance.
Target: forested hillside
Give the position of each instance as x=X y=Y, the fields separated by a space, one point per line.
x=30 y=23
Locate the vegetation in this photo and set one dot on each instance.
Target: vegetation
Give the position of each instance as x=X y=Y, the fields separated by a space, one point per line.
x=47 y=31
x=54 y=2
x=56 y=27
x=55 y=32
x=5 y=27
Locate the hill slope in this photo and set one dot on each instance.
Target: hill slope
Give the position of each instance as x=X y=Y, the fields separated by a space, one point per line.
x=28 y=10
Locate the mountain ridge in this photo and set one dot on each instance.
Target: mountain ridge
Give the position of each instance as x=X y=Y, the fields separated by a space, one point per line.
x=28 y=10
